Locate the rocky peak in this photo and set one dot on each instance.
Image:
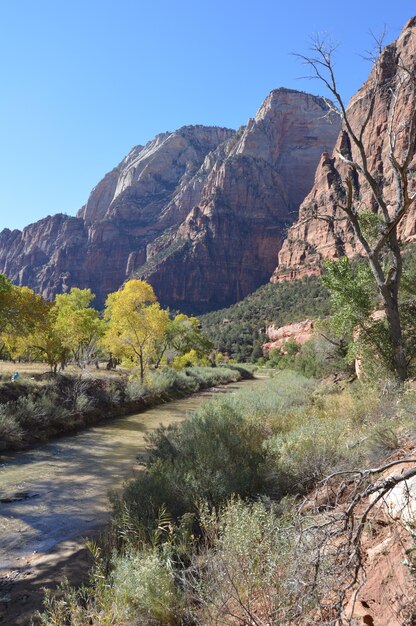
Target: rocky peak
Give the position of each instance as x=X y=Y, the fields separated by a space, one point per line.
x=148 y=174
x=319 y=233
x=198 y=212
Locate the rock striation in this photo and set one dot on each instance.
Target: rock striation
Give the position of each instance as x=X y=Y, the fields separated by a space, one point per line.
x=199 y=212
x=319 y=233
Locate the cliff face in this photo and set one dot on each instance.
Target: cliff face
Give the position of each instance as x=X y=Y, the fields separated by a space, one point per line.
x=242 y=197
x=312 y=239
x=199 y=213
x=300 y=332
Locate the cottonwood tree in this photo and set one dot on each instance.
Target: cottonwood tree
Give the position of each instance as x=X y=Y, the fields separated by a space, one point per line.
x=21 y=311
x=136 y=324
x=391 y=200
x=43 y=342
x=79 y=325
x=182 y=335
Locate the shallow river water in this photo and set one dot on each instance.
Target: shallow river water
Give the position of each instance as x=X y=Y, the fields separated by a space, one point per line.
x=59 y=490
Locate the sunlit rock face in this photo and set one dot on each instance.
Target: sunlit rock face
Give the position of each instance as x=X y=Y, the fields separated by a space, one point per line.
x=311 y=240
x=200 y=212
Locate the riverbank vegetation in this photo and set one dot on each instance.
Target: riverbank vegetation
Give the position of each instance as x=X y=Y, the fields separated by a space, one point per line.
x=133 y=331
x=157 y=356
x=211 y=532
x=36 y=410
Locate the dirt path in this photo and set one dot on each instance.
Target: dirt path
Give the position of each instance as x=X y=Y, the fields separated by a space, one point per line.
x=22 y=590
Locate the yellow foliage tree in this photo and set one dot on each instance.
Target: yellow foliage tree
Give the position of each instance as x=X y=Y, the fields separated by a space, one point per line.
x=22 y=311
x=42 y=341
x=136 y=324
x=78 y=324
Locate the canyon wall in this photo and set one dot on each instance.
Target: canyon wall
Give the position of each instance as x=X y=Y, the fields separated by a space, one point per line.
x=321 y=231
x=200 y=212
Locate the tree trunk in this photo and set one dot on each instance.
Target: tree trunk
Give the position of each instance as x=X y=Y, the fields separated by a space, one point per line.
x=391 y=307
x=141 y=367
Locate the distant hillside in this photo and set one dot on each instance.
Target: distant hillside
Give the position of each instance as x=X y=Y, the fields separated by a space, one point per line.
x=239 y=329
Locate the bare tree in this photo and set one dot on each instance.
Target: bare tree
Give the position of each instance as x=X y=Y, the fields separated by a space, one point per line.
x=331 y=531
x=390 y=202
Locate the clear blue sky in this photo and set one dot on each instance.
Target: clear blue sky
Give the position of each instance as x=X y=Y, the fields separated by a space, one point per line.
x=82 y=81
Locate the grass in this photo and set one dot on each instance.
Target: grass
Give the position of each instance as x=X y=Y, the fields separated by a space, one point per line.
x=29 y=370
x=207 y=534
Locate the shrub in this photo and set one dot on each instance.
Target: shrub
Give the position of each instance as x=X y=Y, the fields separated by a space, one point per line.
x=140 y=587
x=11 y=433
x=171 y=382
x=189 y=359
x=143 y=498
x=241 y=573
x=219 y=451
x=144 y=584
x=37 y=412
x=308 y=453
x=135 y=389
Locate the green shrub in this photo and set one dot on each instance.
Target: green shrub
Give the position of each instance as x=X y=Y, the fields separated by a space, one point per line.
x=139 y=506
x=383 y=439
x=308 y=453
x=144 y=584
x=140 y=587
x=135 y=389
x=242 y=572
x=11 y=433
x=219 y=451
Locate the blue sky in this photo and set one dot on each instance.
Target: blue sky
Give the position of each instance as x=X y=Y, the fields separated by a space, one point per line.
x=83 y=81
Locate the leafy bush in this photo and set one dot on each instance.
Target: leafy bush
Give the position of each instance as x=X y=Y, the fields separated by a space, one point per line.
x=308 y=453
x=135 y=389
x=36 y=412
x=170 y=381
x=315 y=358
x=140 y=586
x=144 y=583
x=189 y=359
x=219 y=451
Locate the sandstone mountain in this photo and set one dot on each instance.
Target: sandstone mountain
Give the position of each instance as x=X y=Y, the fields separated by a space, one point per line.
x=319 y=233
x=199 y=213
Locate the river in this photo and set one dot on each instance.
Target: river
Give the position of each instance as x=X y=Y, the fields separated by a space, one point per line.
x=59 y=490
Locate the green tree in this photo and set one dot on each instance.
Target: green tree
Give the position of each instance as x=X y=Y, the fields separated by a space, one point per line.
x=21 y=309
x=356 y=315
x=183 y=335
x=43 y=341
x=376 y=230
x=79 y=325
x=136 y=324
x=6 y=288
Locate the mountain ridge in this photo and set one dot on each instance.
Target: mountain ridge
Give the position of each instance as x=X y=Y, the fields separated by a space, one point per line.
x=198 y=212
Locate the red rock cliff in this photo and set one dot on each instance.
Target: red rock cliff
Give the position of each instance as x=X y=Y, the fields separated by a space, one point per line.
x=198 y=212
x=310 y=240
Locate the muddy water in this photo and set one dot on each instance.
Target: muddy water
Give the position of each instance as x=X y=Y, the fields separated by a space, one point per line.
x=60 y=489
